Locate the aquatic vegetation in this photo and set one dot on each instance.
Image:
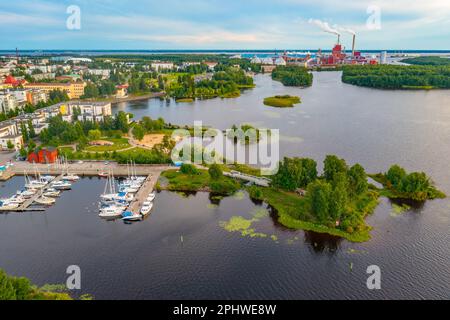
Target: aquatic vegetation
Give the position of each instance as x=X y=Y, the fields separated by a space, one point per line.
x=399 y=209
x=239 y=196
x=246 y=226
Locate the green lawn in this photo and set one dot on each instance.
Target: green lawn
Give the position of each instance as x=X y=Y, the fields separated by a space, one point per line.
x=119 y=144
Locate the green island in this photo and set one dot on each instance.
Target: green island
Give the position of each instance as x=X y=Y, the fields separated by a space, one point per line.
x=428 y=61
x=293 y=76
x=424 y=77
x=15 y=288
x=335 y=203
x=285 y=101
x=191 y=179
x=398 y=184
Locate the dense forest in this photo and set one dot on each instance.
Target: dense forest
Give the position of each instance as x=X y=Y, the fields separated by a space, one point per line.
x=293 y=76
x=398 y=77
x=225 y=84
x=428 y=61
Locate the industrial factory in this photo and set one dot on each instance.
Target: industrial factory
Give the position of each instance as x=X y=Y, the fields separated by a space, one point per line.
x=339 y=55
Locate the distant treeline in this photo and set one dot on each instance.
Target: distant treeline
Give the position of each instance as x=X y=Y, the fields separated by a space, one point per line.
x=398 y=77
x=428 y=61
x=293 y=76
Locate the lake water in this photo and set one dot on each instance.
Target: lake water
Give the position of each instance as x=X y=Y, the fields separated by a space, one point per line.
x=181 y=251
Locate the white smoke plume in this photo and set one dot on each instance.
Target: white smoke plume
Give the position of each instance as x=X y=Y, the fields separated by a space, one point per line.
x=324 y=26
x=346 y=30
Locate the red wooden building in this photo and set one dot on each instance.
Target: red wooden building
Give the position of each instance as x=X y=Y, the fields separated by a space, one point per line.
x=48 y=155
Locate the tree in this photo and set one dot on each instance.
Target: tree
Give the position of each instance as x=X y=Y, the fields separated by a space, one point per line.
x=215 y=172
x=358 y=180
x=309 y=172
x=319 y=193
x=332 y=166
x=31 y=131
x=10 y=145
x=24 y=130
x=138 y=132
x=94 y=134
x=339 y=195
x=395 y=175
x=121 y=122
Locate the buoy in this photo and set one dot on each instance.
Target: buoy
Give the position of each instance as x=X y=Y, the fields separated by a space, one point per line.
x=351 y=266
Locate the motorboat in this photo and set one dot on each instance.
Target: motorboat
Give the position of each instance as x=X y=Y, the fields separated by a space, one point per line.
x=70 y=177
x=151 y=196
x=130 y=216
x=146 y=208
x=103 y=175
x=111 y=212
x=61 y=185
x=45 y=201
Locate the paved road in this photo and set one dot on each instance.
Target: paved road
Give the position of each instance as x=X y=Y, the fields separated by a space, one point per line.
x=87 y=168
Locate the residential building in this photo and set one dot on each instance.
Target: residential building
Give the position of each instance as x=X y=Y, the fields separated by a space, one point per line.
x=211 y=64
x=10 y=133
x=104 y=73
x=8 y=102
x=122 y=91
x=86 y=111
x=74 y=89
x=158 y=66
x=43 y=76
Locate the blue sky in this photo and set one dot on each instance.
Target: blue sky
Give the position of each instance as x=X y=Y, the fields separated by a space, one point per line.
x=224 y=24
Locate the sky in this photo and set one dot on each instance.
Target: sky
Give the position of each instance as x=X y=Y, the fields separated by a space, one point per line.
x=223 y=24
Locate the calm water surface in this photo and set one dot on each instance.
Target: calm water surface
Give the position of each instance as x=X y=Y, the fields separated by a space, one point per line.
x=148 y=260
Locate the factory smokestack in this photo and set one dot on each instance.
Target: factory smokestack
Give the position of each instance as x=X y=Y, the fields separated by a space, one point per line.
x=353 y=45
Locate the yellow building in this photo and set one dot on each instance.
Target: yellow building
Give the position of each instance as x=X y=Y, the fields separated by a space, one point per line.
x=74 y=89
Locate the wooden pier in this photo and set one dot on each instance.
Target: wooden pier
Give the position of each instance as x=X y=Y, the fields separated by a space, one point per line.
x=147 y=187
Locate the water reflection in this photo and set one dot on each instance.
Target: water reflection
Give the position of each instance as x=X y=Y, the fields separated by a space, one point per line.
x=320 y=242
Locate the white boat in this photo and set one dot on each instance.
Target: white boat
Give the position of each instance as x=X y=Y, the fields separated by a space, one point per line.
x=111 y=212
x=61 y=185
x=71 y=177
x=151 y=196
x=7 y=205
x=148 y=206
x=129 y=189
x=27 y=193
x=52 y=193
x=47 y=178
x=45 y=201
x=130 y=216
x=35 y=184
x=17 y=199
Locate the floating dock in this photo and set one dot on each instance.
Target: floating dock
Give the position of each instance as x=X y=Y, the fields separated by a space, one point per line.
x=141 y=196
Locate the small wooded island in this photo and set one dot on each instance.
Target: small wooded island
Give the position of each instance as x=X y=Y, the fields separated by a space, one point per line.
x=285 y=101
x=335 y=203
